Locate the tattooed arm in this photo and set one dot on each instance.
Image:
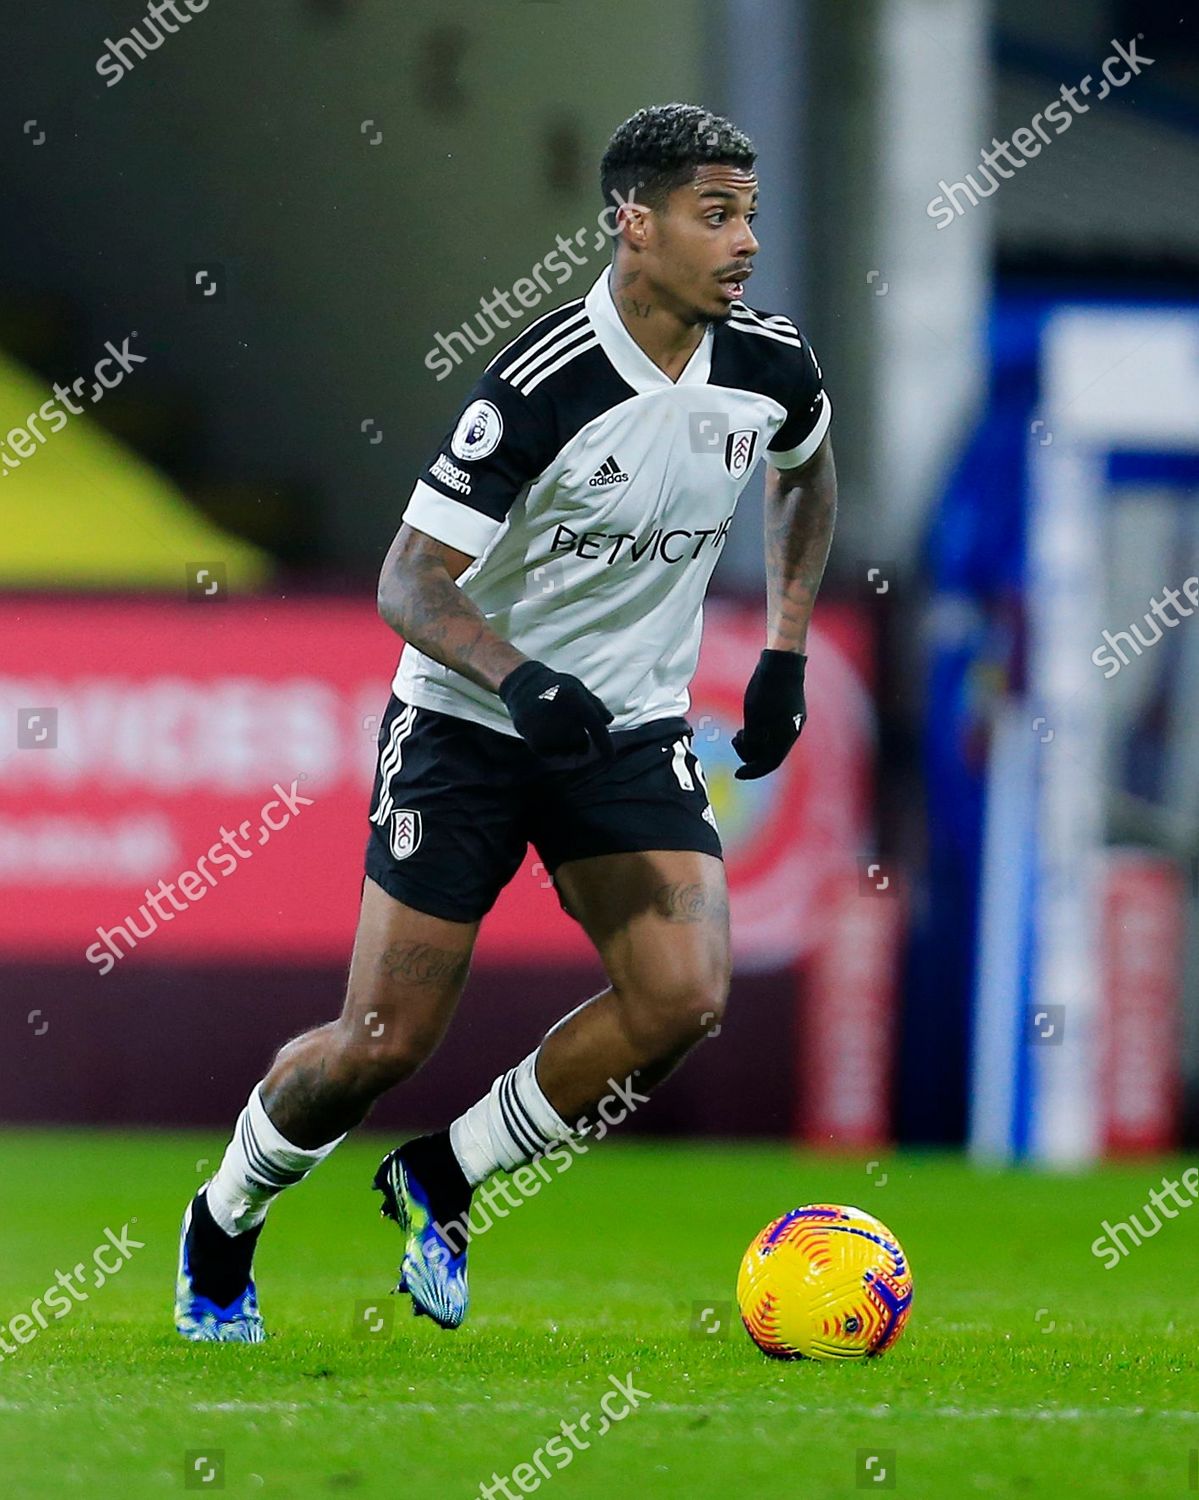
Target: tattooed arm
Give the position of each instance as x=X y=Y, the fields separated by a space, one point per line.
x=801 y=510
x=421 y=601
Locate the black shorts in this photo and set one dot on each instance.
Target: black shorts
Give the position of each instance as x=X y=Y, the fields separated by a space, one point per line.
x=456 y=805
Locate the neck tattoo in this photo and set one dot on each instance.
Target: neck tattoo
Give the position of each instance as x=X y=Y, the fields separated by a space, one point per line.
x=636 y=309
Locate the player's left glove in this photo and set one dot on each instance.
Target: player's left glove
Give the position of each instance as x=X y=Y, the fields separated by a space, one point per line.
x=774 y=713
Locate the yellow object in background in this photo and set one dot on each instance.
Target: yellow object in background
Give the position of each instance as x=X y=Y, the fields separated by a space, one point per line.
x=79 y=509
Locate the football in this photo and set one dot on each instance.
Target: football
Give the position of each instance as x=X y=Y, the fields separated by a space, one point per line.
x=825 y=1282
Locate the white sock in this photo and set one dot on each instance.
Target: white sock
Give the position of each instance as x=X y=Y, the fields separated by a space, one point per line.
x=257 y=1165
x=510 y=1125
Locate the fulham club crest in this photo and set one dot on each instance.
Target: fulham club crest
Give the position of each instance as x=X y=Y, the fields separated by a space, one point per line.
x=739 y=451
x=405 y=832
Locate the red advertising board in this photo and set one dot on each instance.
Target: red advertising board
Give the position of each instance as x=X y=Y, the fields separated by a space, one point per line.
x=848 y=1007
x=1141 y=1001
x=149 y=741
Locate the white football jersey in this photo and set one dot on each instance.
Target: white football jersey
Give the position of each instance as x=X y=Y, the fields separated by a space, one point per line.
x=594 y=495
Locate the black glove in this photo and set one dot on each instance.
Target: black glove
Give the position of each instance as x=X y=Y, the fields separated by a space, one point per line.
x=774 y=713
x=554 y=713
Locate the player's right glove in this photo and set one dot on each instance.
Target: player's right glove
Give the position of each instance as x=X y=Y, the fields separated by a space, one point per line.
x=554 y=713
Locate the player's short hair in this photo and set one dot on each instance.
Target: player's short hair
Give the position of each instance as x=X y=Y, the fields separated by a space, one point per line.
x=659 y=149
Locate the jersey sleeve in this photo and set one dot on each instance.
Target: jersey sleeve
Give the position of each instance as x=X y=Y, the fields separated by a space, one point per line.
x=809 y=411
x=496 y=447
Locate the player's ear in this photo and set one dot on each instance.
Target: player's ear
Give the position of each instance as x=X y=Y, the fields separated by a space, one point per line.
x=634 y=222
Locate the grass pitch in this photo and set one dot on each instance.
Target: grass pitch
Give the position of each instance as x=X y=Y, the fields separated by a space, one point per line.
x=1026 y=1367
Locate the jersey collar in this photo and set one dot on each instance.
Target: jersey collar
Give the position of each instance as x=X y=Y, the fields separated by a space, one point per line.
x=628 y=358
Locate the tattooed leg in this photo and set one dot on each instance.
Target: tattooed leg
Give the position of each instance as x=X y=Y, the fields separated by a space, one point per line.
x=406 y=975
x=660 y=922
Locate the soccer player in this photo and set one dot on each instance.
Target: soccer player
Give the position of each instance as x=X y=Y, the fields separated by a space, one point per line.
x=548 y=579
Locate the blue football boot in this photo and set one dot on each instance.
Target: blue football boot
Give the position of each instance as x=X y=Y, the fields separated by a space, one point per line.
x=425 y=1193
x=215 y=1298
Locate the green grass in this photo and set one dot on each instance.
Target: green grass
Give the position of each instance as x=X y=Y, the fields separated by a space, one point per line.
x=597 y=1277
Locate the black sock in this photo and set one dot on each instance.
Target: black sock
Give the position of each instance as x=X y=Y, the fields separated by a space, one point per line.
x=220 y=1263
x=435 y=1166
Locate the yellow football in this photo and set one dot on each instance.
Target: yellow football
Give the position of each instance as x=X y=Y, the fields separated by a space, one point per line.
x=825 y=1282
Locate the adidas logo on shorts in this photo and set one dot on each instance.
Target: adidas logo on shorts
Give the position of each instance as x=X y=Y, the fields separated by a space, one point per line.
x=550 y=693
x=609 y=472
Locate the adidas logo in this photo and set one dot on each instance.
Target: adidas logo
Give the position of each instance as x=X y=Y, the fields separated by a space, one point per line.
x=609 y=472
x=550 y=693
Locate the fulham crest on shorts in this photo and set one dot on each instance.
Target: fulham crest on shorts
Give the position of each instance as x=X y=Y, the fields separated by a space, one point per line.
x=405 y=832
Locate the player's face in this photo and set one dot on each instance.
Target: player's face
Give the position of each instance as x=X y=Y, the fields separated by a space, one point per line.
x=705 y=241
